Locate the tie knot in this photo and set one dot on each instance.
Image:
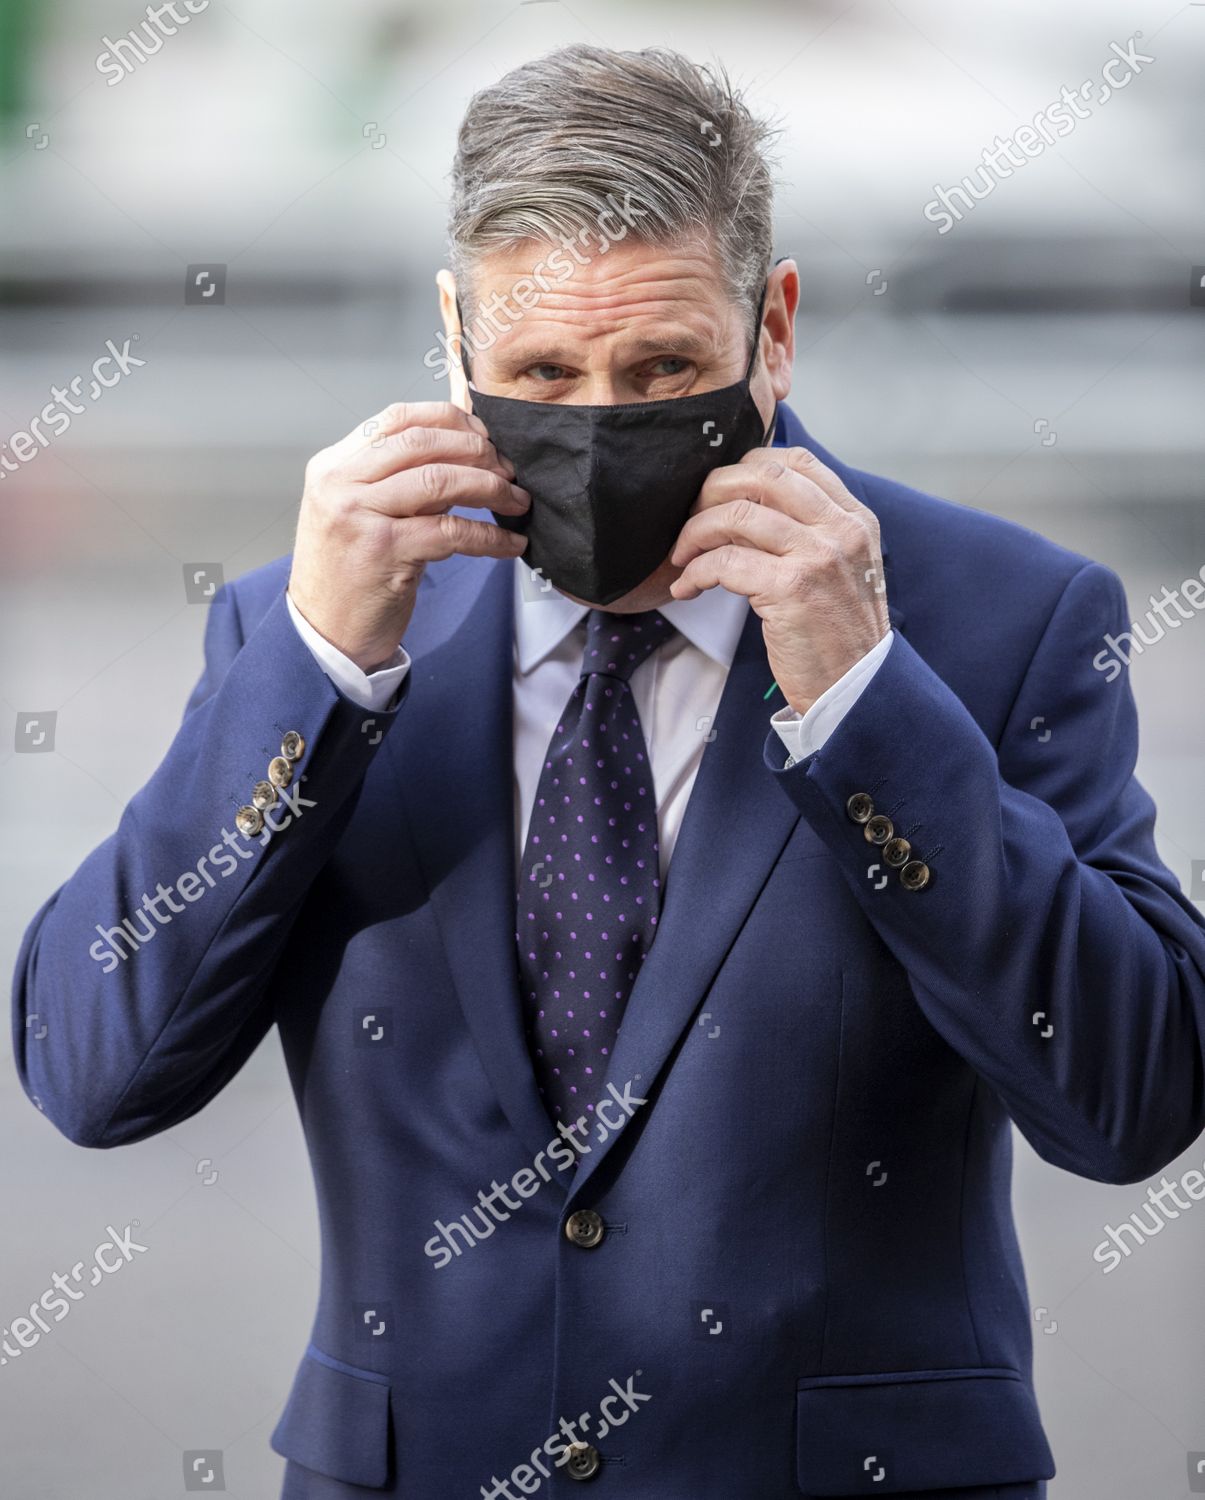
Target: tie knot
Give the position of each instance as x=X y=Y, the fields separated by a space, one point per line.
x=617 y=644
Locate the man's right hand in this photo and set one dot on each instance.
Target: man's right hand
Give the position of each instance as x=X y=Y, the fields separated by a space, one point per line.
x=375 y=512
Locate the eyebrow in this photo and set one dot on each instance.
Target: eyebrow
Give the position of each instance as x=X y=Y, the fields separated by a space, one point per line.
x=681 y=344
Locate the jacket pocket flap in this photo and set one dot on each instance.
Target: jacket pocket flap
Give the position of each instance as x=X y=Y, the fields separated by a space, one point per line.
x=336 y=1420
x=917 y=1430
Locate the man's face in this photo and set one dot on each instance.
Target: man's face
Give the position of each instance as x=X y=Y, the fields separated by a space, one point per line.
x=638 y=323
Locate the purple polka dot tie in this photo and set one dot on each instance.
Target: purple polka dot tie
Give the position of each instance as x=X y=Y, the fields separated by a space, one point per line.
x=589 y=888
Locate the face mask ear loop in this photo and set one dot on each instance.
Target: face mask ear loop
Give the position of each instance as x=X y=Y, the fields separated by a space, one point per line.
x=761 y=307
x=767 y=435
x=464 y=350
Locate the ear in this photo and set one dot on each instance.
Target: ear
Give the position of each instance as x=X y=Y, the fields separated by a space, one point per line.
x=778 y=326
x=459 y=386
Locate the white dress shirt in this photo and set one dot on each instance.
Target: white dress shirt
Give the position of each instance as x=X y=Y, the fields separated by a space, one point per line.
x=677 y=690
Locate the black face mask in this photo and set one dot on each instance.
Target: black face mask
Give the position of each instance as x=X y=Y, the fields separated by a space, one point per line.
x=612 y=486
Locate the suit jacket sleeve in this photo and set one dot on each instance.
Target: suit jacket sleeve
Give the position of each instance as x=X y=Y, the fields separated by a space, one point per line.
x=1052 y=948
x=114 y=1052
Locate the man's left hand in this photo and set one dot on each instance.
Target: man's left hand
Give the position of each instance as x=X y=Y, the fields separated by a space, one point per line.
x=782 y=529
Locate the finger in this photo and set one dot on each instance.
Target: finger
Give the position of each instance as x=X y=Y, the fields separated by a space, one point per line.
x=400 y=414
x=742 y=522
x=433 y=488
x=438 y=537
x=769 y=482
x=741 y=570
x=803 y=461
x=412 y=446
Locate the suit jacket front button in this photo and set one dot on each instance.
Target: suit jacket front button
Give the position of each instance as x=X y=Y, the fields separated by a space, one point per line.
x=860 y=807
x=584 y=1228
x=583 y=1462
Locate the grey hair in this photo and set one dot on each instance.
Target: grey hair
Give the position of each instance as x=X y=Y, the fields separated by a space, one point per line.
x=555 y=143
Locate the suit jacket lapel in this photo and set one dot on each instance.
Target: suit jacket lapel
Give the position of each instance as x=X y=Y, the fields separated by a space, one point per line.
x=454 y=764
x=735 y=825
x=734 y=828
x=458 y=788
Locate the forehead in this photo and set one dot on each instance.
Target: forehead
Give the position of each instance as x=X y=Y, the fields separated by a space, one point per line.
x=630 y=289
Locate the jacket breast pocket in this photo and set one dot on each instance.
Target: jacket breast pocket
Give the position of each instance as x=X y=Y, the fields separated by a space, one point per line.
x=336 y=1421
x=804 y=843
x=917 y=1430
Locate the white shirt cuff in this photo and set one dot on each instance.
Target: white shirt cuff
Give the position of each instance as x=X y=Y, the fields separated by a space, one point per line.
x=368 y=689
x=804 y=734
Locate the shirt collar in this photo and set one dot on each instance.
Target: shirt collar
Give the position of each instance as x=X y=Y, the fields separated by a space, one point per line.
x=712 y=622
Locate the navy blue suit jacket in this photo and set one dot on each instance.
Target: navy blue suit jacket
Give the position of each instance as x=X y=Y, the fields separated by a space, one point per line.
x=808 y=1270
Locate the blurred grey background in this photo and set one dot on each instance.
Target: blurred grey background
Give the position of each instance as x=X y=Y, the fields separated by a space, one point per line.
x=1042 y=360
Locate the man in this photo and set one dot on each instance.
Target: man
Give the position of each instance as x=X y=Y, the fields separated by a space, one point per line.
x=720 y=1214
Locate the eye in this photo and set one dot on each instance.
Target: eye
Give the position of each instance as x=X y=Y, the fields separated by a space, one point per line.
x=659 y=367
x=546 y=372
